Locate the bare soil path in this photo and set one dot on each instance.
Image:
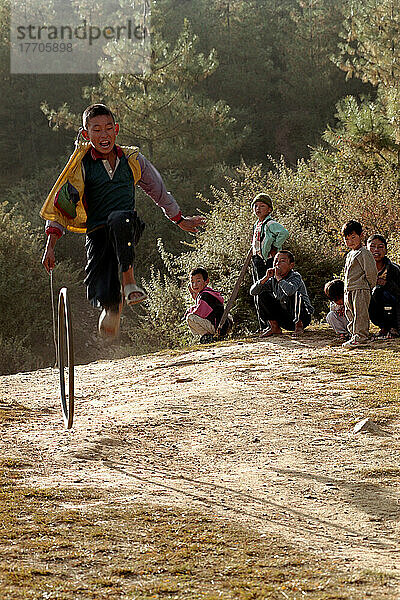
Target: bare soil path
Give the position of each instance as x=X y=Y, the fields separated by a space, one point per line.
x=256 y=432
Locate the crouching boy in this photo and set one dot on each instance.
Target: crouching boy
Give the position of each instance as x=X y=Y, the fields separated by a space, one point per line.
x=286 y=300
x=203 y=318
x=384 y=308
x=334 y=290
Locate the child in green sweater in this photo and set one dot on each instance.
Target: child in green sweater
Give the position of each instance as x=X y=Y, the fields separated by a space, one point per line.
x=268 y=238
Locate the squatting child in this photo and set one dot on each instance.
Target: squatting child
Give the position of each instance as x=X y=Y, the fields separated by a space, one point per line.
x=360 y=276
x=268 y=238
x=384 y=308
x=286 y=300
x=334 y=290
x=203 y=318
x=95 y=194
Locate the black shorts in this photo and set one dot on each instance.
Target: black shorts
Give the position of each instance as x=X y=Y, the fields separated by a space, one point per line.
x=110 y=250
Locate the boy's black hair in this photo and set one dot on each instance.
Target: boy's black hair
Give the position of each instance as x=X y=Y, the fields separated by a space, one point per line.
x=377 y=236
x=199 y=271
x=94 y=110
x=288 y=253
x=334 y=289
x=352 y=227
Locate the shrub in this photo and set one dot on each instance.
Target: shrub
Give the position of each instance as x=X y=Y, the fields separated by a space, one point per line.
x=25 y=303
x=161 y=324
x=223 y=245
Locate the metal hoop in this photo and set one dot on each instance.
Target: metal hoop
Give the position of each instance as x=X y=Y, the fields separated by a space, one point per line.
x=65 y=348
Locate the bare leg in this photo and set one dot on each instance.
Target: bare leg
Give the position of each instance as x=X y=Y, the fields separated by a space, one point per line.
x=109 y=321
x=128 y=277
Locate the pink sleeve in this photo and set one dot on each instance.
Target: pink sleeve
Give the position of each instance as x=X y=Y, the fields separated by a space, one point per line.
x=152 y=184
x=202 y=309
x=55 y=228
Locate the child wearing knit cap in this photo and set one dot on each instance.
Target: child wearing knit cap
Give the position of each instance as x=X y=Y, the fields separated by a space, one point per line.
x=268 y=238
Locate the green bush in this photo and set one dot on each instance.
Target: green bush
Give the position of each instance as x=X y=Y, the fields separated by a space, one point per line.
x=160 y=322
x=223 y=245
x=25 y=302
x=16 y=357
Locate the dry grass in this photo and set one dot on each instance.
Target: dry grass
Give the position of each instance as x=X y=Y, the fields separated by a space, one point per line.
x=70 y=544
x=381 y=473
x=374 y=376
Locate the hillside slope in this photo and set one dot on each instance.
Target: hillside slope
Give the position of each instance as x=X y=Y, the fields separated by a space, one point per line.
x=260 y=433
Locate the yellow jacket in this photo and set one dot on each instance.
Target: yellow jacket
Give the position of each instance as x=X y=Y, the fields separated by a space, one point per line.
x=72 y=173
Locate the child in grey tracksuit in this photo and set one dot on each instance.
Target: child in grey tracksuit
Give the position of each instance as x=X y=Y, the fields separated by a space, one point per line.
x=360 y=276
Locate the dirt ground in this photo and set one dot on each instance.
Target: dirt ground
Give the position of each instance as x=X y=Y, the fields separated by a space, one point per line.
x=256 y=432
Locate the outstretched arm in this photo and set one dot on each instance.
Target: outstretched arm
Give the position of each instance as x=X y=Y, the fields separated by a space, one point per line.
x=152 y=184
x=191 y=223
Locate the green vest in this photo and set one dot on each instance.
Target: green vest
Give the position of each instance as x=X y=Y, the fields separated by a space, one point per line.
x=65 y=202
x=103 y=195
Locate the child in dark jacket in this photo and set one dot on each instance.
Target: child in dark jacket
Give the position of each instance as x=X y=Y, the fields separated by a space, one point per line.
x=203 y=318
x=384 y=308
x=287 y=303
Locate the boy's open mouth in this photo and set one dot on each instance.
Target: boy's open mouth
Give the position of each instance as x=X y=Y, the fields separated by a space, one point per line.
x=105 y=144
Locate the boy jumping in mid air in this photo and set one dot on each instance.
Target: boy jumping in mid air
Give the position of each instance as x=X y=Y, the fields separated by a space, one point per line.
x=360 y=275
x=203 y=318
x=95 y=194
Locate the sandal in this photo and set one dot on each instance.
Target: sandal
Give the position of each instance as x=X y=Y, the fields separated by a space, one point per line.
x=109 y=323
x=132 y=287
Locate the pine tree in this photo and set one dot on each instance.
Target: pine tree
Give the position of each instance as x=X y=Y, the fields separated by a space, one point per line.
x=163 y=111
x=275 y=70
x=23 y=125
x=370 y=51
x=371 y=41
